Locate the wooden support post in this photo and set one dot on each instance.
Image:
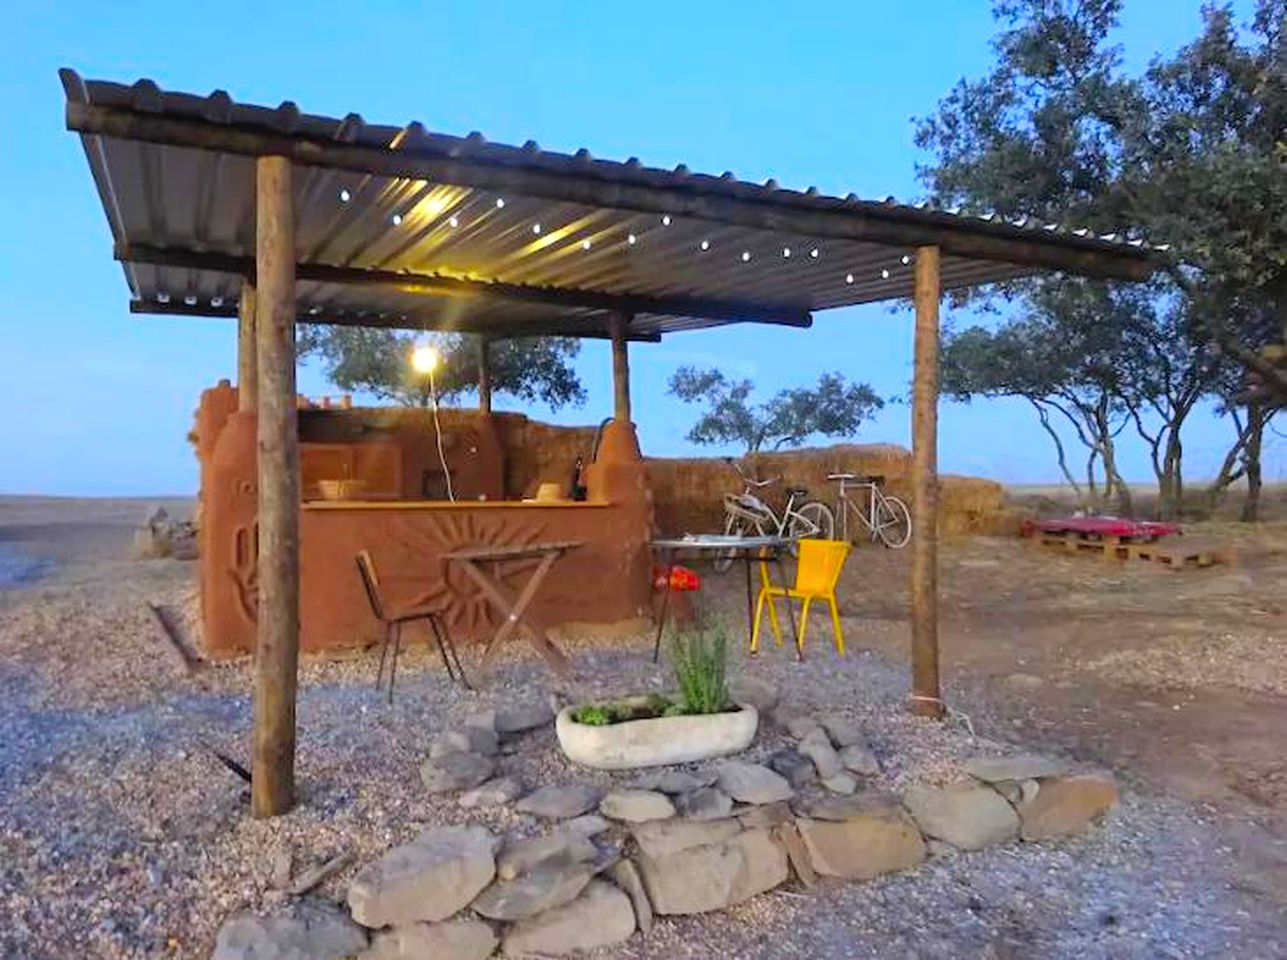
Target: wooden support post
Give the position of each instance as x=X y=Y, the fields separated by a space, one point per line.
x=926 y=697
x=484 y=375
x=277 y=638
x=247 y=364
x=620 y=368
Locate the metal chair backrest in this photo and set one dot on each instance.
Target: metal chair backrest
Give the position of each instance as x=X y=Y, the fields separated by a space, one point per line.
x=370 y=582
x=820 y=564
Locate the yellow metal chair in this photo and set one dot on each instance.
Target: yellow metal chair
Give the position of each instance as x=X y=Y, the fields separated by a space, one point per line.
x=816 y=576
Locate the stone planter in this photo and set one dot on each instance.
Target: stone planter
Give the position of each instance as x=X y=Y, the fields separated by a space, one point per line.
x=658 y=741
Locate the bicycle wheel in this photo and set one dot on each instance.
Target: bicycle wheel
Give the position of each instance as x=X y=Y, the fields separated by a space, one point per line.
x=813 y=519
x=893 y=522
x=733 y=527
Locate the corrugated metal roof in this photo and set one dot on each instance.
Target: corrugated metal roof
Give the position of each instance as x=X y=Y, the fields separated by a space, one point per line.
x=190 y=202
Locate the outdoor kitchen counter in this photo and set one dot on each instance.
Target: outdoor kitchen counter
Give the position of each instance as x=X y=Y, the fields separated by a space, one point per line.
x=450 y=505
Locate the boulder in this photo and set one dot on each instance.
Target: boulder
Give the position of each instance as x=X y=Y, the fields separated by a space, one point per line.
x=799 y=725
x=881 y=840
x=845 y=732
x=1066 y=805
x=601 y=916
x=788 y=838
x=713 y=876
x=521 y=856
x=675 y=781
x=428 y=879
x=465 y=939
x=704 y=803
x=968 y=816
x=479 y=739
x=1023 y=767
x=840 y=809
x=662 y=837
x=818 y=748
x=858 y=758
x=305 y=930
x=795 y=766
x=456 y=771
x=493 y=793
x=586 y=825
x=843 y=783
x=626 y=876
x=636 y=806
x=483 y=720
x=523 y=717
x=752 y=783
x=759 y=692
x=550 y=884
x=560 y=803
x=766 y=815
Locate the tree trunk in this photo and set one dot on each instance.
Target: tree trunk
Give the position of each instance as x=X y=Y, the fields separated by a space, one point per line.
x=1256 y=420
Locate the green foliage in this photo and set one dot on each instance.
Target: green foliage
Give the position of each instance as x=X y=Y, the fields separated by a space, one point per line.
x=1190 y=151
x=593 y=715
x=376 y=361
x=699 y=659
x=834 y=408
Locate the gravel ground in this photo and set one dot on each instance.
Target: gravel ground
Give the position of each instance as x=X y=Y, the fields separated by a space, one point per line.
x=121 y=836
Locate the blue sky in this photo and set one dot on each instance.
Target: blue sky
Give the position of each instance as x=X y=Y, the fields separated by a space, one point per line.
x=98 y=402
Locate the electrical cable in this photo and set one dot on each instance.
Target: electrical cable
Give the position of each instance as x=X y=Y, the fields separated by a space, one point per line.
x=437 y=429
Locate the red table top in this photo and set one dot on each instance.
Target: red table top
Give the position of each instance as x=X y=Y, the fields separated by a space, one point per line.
x=1105 y=526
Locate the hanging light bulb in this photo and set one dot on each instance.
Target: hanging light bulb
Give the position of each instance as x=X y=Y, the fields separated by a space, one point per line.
x=425 y=358
x=397 y=219
x=665 y=220
x=345 y=196
x=500 y=202
x=746 y=256
x=632 y=239
x=786 y=251
x=906 y=259
x=706 y=244
x=884 y=274
x=453 y=221
x=849 y=278
x=585 y=244
x=536 y=228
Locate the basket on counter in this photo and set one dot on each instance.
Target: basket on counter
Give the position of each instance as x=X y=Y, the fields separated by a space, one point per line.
x=340 y=489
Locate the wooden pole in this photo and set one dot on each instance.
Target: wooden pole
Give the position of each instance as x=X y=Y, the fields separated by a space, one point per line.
x=277 y=641
x=247 y=364
x=926 y=697
x=484 y=375
x=620 y=368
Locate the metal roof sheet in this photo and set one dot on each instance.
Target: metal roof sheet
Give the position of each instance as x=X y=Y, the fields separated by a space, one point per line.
x=190 y=206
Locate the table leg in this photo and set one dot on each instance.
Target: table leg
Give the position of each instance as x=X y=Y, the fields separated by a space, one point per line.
x=777 y=562
x=514 y=610
x=668 y=566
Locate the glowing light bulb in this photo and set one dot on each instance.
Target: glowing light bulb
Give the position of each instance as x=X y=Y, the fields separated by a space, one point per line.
x=424 y=359
x=345 y=196
x=453 y=221
x=585 y=244
x=397 y=219
x=906 y=259
x=706 y=244
x=786 y=251
x=849 y=278
x=500 y=202
x=814 y=253
x=746 y=256
x=884 y=274
x=632 y=239
x=536 y=228
x=665 y=220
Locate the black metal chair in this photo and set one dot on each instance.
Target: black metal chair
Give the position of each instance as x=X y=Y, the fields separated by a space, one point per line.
x=393 y=621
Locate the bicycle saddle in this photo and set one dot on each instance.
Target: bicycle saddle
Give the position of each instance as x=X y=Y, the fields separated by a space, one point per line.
x=875 y=478
x=798 y=491
x=842 y=476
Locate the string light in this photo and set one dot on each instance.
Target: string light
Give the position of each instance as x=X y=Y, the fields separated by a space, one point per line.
x=536 y=228
x=216 y=301
x=706 y=244
x=906 y=259
x=849 y=278
x=884 y=274
x=786 y=251
x=814 y=253
x=500 y=202
x=746 y=256
x=345 y=196
x=665 y=220
x=585 y=244
x=397 y=219
x=632 y=239
x=190 y=300
x=453 y=222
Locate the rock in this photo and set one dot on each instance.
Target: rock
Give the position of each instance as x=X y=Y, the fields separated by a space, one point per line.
x=587 y=825
x=841 y=783
x=523 y=717
x=559 y=803
x=840 y=809
x=626 y=876
x=767 y=815
x=704 y=803
x=713 y=876
x=968 y=816
x=759 y=692
x=480 y=740
x=1022 y=767
x=818 y=748
x=940 y=848
x=521 y=856
x=788 y=838
x=636 y=806
x=858 y=758
x=752 y=783
x=483 y=720
x=428 y=879
x=675 y=781
x=1024 y=681
x=283 y=865
x=795 y=766
x=465 y=939
x=1018 y=792
x=306 y=930
x=550 y=884
x=800 y=726
x=456 y=771
x=661 y=837
x=845 y=732
x=601 y=916
x=1066 y=805
x=492 y=793
x=881 y=840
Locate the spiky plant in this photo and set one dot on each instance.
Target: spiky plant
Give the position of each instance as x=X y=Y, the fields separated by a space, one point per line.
x=699 y=659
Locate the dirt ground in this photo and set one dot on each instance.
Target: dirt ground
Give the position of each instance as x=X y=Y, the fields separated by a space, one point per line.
x=1174 y=680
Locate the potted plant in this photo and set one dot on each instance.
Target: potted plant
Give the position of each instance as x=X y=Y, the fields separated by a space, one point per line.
x=697 y=722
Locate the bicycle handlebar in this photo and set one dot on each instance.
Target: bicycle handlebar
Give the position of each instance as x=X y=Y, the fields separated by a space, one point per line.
x=747 y=480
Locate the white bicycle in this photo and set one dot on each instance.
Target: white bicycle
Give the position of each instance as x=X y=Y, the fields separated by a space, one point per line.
x=886 y=518
x=745 y=514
